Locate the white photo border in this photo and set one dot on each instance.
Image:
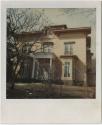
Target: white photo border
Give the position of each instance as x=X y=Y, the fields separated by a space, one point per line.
x=51 y=110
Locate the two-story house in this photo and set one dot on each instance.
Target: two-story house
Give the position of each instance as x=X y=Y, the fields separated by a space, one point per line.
x=60 y=54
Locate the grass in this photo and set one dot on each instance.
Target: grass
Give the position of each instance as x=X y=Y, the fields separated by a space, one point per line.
x=45 y=91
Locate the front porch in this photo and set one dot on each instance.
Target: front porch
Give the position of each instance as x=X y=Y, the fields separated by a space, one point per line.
x=42 y=66
x=48 y=68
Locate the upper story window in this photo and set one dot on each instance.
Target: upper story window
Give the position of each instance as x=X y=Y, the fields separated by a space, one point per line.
x=26 y=49
x=48 y=47
x=68 y=48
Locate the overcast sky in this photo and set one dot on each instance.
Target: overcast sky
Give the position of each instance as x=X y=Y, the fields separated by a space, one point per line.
x=75 y=18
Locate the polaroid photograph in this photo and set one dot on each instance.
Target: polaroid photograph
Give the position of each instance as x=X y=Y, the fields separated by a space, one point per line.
x=51 y=62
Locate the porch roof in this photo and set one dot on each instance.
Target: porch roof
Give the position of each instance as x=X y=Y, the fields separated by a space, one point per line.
x=40 y=55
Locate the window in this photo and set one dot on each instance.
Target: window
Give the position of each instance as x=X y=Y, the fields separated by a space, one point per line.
x=68 y=50
x=47 y=47
x=67 y=69
x=26 y=49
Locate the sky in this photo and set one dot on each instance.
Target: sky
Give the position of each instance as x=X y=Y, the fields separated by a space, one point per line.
x=75 y=17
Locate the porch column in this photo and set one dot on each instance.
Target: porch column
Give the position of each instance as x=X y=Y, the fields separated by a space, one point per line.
x=33 y=67
x=85 y=79
x=50 y=73
x=50 y=63
x=37 y=69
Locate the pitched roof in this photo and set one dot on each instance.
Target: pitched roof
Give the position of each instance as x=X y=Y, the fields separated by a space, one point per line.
x=54 y=27
x=58 y=29
x=70 y=30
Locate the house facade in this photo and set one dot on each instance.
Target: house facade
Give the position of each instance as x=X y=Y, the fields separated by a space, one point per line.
x=59 y=55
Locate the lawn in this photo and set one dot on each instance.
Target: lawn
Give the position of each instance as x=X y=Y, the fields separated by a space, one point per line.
x=47 y=91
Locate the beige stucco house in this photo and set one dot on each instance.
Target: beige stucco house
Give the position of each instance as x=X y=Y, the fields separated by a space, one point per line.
x=59 y=54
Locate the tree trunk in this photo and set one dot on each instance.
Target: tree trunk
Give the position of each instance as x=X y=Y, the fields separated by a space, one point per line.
x=15 y=75
x=12 y=85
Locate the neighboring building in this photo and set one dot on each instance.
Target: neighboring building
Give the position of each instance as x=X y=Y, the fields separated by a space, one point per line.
x=60 y=55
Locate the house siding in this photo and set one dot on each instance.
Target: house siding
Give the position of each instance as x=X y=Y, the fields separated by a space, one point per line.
x=79 y=49
x=78 y=64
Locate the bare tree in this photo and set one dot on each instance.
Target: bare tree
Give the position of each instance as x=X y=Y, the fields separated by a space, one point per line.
x=18 y=21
